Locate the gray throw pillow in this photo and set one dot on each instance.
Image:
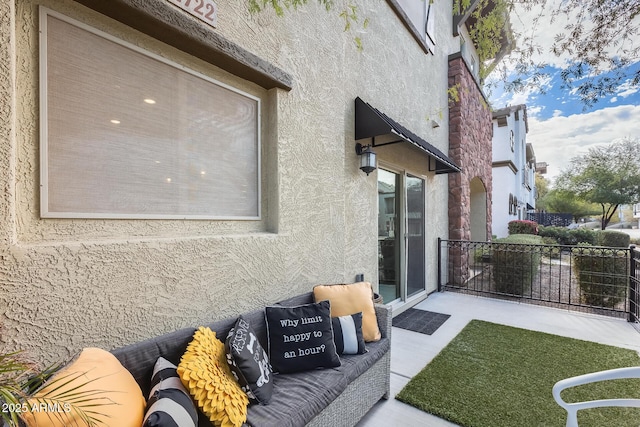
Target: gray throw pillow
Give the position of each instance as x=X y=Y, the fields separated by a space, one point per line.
x=249 y=362
x=347 y=334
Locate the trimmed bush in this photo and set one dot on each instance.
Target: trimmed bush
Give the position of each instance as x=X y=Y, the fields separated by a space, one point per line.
x=523 y=227
x=602 y=275
x=583 y=235
x=559 y=234
x=514 y=264
x=564 y=236
x=613 y=239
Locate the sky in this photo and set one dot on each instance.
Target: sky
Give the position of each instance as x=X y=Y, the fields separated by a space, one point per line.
x=559 y=126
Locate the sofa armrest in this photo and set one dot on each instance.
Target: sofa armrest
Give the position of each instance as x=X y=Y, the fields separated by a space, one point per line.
x=383 y=313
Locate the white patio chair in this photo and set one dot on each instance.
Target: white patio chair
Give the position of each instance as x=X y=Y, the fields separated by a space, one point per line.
x=612 y=374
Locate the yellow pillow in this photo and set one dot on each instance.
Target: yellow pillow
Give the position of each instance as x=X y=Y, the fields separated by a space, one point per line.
x=95 y=375
x=351 y=299
x=204 y=371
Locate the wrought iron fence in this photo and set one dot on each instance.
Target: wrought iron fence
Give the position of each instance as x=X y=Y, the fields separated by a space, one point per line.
x=551 y=219
x=634 y=286
x=591 y=279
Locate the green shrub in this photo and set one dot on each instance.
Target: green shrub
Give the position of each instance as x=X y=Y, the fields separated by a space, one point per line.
x=613 y=239
x=564 y=236
x=559 y=234
x=481 y=253
x=602 y=275
x=583 y=235
x=552 y=250
x=523 y=227
x=514 y=264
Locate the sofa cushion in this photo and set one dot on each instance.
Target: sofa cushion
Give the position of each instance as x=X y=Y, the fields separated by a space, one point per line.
x=301 y=338
x=347 y=334
x=249 y=362
x=205 y=373
x=350 y=299
x=298 y=398
x=357 y=364
x=169 y=403
x=97 y=382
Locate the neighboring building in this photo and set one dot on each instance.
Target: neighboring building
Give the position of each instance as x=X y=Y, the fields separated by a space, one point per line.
x=514 y=167
x=159 y=172
x=541 y=168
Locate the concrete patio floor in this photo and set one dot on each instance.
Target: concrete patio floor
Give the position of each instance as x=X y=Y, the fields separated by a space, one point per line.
x=411 y=351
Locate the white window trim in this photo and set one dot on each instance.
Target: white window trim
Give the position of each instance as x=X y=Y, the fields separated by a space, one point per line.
x=43 y=87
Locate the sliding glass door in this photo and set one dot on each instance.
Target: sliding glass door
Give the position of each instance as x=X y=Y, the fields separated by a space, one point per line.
x=389 y=231
x=401 y=240
x=415 y=235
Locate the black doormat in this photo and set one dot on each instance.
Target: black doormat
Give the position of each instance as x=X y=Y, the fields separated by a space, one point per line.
x=425 y=322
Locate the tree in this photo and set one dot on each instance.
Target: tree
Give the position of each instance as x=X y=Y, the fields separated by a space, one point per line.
x=598 y=39
x=542 y=189
x=607 y=175
x=559 y=201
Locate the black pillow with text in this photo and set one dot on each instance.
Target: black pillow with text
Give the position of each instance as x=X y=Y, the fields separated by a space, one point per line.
x=301 y=338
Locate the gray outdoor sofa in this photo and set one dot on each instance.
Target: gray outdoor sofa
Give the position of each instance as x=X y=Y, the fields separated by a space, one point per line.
x=324 y=397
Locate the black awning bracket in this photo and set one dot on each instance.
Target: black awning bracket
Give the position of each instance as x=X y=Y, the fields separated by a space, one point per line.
x=371 y=122
x=373 y=142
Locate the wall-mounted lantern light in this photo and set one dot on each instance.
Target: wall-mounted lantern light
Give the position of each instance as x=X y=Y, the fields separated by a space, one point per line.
x=367 y=158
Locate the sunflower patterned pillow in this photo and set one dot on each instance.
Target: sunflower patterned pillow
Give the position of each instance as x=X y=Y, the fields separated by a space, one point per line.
x=204 y=371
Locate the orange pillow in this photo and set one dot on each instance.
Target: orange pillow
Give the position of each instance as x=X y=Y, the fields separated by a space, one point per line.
x=95 y=381
x=351 y=299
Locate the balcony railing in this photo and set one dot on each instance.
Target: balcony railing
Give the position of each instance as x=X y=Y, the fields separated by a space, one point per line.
x=598 y=280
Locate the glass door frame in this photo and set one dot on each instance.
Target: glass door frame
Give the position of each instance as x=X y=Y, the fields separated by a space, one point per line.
x=404 y=229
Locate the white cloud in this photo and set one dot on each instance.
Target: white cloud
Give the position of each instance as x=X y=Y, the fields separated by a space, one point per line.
x=558 y=139
x=536 y=24
x=527 y=94
x=534 y=110
x=542 y=23
x=626 y=89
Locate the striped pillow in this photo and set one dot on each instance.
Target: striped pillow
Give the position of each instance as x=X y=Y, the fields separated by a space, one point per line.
x=169 y=402
x=347 y=334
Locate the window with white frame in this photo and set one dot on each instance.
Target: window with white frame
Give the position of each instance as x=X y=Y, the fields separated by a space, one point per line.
x=419 y=16
x=129 y=134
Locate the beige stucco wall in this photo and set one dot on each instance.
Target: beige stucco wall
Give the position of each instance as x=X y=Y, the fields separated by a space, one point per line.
x=67 y=284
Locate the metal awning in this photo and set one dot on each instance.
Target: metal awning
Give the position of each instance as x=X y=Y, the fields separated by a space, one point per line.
x=372 y=123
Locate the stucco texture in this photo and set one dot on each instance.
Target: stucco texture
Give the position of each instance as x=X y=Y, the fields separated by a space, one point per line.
x=67 y=284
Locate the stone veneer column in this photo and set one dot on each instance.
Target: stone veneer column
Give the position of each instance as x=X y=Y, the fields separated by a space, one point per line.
x=470 y=135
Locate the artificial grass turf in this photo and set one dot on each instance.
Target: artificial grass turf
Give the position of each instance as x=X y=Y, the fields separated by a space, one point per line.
x=493 y=375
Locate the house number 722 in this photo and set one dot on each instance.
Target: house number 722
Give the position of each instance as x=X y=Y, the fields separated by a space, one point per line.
x=205 y=10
